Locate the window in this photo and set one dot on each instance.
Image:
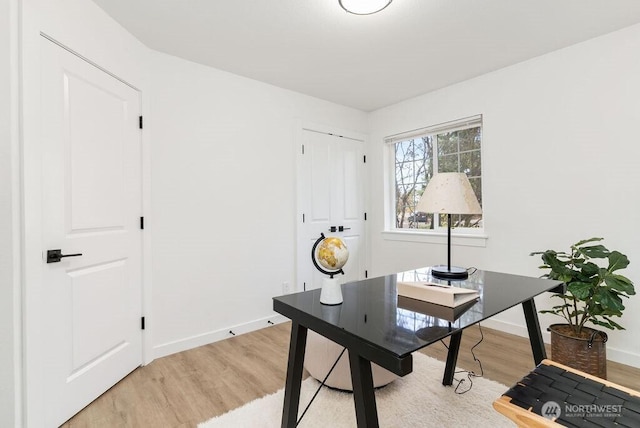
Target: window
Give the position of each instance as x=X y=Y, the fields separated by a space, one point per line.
x=418 y=155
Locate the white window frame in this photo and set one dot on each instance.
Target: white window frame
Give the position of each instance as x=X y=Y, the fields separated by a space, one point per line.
x=460 y=236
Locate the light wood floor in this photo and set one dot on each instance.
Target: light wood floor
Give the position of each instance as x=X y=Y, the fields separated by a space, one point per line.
x=190 y=387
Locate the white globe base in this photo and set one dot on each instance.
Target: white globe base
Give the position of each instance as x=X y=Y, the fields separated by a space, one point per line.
x=331 y=292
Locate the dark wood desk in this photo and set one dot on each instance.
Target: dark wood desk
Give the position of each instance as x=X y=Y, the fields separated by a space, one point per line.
x=375 y=328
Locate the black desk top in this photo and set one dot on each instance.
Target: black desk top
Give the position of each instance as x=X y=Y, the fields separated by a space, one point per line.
x=372 y=318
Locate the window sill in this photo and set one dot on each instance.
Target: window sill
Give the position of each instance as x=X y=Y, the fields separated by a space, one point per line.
x=468 y=240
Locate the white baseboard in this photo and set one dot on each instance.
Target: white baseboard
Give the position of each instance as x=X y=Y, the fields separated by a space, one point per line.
x=213 y=336
x=613 y=354
x=517 y=329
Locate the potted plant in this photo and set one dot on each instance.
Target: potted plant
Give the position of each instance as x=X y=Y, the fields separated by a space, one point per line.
x=594 y=292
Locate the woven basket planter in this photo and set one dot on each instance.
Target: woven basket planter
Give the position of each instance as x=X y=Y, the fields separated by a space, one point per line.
x=587 y=353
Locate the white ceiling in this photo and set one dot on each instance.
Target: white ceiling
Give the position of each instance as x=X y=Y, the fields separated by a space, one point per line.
x=367 y=62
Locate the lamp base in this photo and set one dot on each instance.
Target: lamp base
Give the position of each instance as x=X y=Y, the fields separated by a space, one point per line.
x=453 y=272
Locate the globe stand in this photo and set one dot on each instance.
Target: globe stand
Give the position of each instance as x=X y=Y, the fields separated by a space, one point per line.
x=331 y=292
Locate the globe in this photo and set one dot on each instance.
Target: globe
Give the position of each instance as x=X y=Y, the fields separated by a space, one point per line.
x=329 y=255
x=332 y=253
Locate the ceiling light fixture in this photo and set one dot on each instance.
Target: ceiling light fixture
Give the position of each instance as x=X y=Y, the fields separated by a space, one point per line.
x=364 y=7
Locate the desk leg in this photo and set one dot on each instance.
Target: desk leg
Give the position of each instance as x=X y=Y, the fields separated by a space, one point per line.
x=297 y=346
x=533 y=327
x=363 y=394
x=452 y=358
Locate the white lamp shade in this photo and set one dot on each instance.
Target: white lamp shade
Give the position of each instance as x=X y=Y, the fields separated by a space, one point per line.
x=364 y=7
x=449 y=193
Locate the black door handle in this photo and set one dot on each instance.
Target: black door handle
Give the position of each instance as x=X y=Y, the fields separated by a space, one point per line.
x=55 y=256
x=338 y=229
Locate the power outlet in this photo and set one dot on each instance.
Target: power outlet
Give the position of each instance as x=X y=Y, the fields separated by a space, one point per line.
x=286 y=287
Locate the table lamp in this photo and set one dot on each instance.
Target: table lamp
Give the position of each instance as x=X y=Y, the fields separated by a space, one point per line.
x=449 y=193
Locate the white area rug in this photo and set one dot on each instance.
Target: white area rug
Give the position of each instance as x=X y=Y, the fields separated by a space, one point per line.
x=418 y=399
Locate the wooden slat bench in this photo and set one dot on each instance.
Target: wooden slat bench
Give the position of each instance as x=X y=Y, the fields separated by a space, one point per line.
x=555 y=395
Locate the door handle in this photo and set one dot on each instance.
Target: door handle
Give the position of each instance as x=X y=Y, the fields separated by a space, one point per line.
x=333 y=229
x=55 y=256
x=342 y=228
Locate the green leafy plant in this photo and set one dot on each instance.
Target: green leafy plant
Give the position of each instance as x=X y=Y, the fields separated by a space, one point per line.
x=594 y=291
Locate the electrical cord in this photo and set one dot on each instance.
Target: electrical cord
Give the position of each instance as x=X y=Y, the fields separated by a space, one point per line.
x=321 y=385
x=470 y=374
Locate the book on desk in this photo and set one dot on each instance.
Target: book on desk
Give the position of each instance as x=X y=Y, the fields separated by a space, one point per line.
x=446 y=313
x=444 y=295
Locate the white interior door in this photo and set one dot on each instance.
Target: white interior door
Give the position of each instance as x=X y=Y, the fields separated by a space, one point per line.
x=91 y=175
x=330 y=194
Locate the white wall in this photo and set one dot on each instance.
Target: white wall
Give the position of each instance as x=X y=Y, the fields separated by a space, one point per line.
x=223 y=203
x=9 y=237
x=560 y=154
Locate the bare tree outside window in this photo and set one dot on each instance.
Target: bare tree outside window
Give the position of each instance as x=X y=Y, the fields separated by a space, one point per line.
x=416 y=161
x=413 y=169
x=459 y=151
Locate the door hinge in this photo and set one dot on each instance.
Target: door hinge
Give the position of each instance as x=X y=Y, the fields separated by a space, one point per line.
x=366 y=274
x=365 y=158
x=304 y=286
x=303 y=219
x=365 y=216
x=142 y=323
x=142 y=223
x=140 y=121
x=303 y=149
